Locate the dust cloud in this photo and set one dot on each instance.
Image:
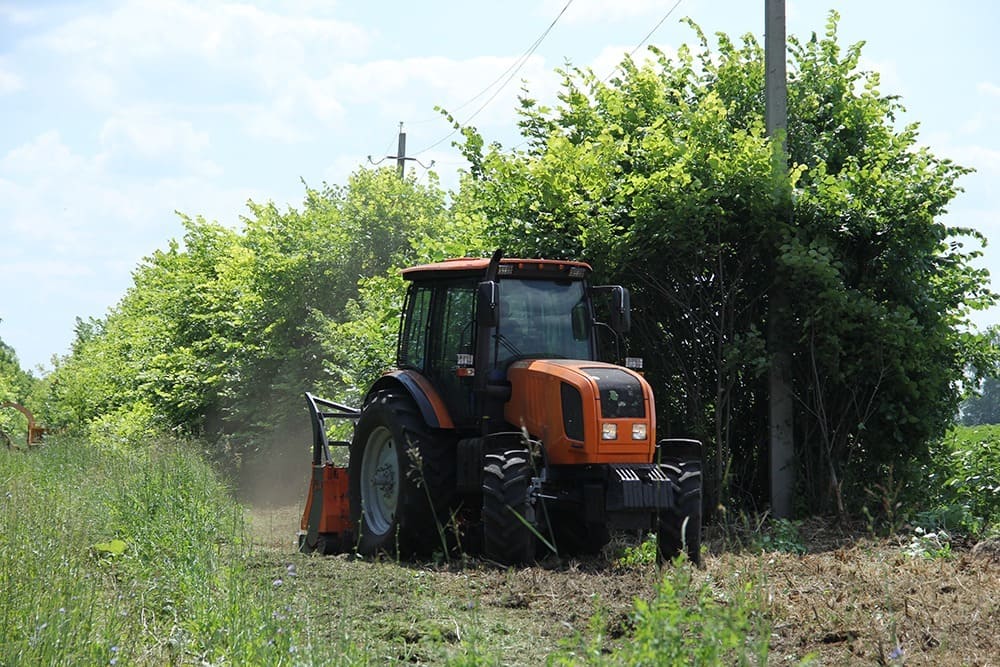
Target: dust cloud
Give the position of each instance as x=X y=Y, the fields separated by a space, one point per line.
x=277 y=474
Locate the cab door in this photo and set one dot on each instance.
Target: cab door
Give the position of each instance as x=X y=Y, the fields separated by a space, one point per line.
x=454 y=327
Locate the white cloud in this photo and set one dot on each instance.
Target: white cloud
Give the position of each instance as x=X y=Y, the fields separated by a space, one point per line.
x=180 y=53
x=989 y=88
x=17 y=15
x=983 y=158
x=149 y=134
x=9 y=81
x=230 y=32
x=71 y=204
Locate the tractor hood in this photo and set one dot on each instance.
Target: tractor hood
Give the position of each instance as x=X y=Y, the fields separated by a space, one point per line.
x=583 y=411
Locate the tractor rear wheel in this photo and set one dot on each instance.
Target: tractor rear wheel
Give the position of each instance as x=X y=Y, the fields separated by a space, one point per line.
x=508 y=515
x=401 y=479
x=680 y=525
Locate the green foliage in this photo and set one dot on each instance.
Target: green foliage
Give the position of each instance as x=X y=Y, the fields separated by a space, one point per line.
x=929 y=545
x=644 y=553
x=222 y=332
x=662 y=177
x=689 y=621
x=783 y=535
x=362 y=346
x=113 y=556
x=959 y=488
x=19 y=386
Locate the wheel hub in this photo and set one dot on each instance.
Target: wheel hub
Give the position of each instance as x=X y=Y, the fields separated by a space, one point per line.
x=380 y=479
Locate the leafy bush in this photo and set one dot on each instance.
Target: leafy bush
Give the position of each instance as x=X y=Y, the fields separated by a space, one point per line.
x=960 y=486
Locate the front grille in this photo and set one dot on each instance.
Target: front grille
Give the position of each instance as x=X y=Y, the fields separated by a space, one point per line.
x=638 y=487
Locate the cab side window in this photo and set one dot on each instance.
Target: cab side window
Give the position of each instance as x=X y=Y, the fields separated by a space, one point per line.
x=413 y=343
x=455 y=322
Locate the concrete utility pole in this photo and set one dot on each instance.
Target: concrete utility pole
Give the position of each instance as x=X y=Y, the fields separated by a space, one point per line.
x=780 y=406
x=400 y=156
x=400 y=152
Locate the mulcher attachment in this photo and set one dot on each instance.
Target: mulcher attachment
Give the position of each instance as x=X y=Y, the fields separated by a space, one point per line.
x=326 y=521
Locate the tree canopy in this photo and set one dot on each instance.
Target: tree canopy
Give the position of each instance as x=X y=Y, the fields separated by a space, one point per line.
x=222 y=332
x=660 y=176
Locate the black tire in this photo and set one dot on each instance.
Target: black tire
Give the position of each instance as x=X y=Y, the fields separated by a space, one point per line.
x=508 y=515
x=679 y=527
x=401 y=479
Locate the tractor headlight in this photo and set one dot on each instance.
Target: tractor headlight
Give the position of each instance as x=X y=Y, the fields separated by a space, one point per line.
x=609 y=431
x=639 y=431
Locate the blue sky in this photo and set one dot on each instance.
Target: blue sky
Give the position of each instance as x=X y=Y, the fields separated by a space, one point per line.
x=114 y=115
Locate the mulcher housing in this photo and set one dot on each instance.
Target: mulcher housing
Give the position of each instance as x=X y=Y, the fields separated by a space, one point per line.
x=500 y=429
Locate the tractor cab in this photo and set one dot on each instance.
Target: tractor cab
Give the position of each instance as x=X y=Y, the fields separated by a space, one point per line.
x=466 y=321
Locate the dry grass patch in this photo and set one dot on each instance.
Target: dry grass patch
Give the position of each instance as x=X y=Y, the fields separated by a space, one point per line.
x=850 y=599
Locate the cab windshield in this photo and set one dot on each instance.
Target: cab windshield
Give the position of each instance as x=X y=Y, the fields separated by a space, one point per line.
x=536 y=321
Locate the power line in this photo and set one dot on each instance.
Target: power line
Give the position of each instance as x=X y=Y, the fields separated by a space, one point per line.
x=655 y=28
x=630 y=53
x=646 y=38
x=516 y=67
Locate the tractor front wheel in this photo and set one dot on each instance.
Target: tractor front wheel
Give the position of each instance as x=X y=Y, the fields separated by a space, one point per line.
x=680 y=525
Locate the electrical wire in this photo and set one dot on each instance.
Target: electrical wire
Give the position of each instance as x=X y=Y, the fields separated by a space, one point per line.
x=645 y=39
x=515 y=66
x=630 y=53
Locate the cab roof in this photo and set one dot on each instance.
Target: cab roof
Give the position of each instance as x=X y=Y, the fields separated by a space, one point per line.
x=520 y=268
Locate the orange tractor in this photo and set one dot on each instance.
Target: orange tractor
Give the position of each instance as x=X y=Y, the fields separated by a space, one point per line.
x=499 y=430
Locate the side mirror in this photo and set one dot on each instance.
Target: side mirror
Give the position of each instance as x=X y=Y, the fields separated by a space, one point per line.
x=581 y=321
x=621 y=310
x=487 y=298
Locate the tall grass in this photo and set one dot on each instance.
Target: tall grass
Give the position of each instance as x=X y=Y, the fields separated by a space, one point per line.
x=128 y=557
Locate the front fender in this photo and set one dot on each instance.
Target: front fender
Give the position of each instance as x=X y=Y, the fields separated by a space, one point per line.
x=428 y=401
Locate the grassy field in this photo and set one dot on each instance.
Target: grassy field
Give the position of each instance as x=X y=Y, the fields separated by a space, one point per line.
x=125 y=557
x=849 y=599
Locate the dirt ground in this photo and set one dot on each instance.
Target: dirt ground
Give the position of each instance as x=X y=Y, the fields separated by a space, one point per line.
x=850 y=599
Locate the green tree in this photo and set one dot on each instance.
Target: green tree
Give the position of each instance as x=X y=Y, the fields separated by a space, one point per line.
x=660 y=176
x=18 y=386
x=222 y=331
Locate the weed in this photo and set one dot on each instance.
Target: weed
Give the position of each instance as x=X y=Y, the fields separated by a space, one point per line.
x=930 y=545
x=416 y=473
x=886 y=518
x=644 y=553
x=960 y=489
x=783 y=536
x=761 y=533
x=687 y=622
